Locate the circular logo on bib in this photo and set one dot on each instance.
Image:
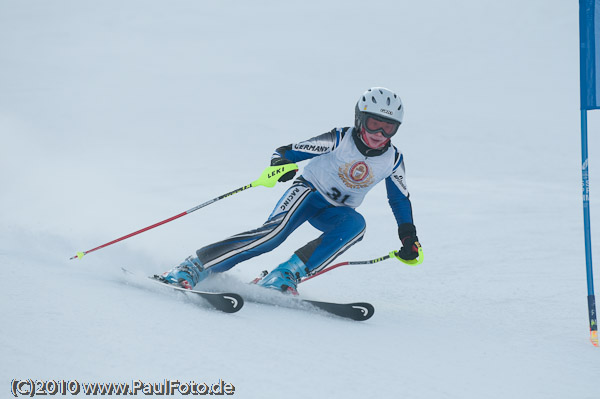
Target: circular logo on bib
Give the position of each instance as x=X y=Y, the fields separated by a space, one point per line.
x=356 y=174
x=359 y=171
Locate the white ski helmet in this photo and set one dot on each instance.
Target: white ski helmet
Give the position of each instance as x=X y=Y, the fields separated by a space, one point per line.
x=381 y=103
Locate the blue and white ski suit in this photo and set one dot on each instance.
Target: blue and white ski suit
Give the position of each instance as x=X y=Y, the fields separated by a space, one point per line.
x=340 y=173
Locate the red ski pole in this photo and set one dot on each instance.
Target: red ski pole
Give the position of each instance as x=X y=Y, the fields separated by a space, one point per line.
x=268 y=178
x=392 y=254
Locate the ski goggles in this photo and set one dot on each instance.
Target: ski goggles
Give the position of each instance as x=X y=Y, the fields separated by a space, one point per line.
x=374 y=125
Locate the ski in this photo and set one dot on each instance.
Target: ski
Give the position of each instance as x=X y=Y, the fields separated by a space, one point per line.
x=359 y=311
x=227 y=302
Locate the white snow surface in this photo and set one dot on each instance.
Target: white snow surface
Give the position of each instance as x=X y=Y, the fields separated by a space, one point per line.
x=115 y=115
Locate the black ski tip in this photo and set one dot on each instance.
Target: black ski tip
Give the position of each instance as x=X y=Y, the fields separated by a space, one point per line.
x=227 y=302
x=359 y=311
x=363 y=311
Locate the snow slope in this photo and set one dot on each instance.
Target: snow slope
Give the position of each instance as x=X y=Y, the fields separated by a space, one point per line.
x=115 y=115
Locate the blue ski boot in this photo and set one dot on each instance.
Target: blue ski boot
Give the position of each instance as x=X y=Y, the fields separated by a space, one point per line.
x=286 y=276
x=189 y=273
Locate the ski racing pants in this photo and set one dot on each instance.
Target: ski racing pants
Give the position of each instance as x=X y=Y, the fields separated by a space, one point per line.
x=341 y=226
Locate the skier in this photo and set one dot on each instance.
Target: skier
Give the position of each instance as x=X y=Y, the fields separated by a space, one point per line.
x=345 y=164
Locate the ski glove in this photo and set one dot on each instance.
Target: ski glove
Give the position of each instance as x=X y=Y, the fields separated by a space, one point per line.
x=282 y=161
x=410 y=242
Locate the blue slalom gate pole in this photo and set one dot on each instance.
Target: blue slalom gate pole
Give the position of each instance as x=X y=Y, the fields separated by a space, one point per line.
x=589 y=80
x=587 y=231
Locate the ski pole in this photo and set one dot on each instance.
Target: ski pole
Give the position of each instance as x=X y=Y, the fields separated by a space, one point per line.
x=268 y=178
x=392 y=254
